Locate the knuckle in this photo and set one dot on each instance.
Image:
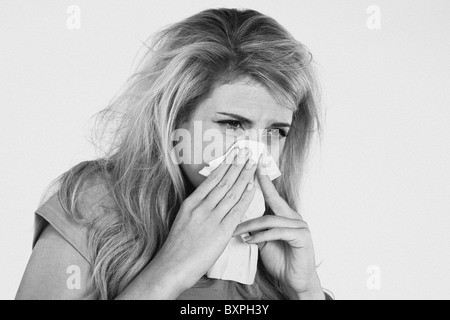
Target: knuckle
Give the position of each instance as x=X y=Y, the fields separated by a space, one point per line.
x=248 y=195
x=187 y=204
x=298 y=224
x=231 y=196
x=197 y=211
x=277 y=232
x=215 y=177
x=236 y=212
x=224 y=184
x=305 y=233
x=237 y=163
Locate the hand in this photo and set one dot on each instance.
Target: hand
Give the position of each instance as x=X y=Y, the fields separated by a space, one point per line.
x=206 y=221
x=285 y=242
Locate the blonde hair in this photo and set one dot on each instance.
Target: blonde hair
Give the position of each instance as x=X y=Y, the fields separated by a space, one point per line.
x=182 y=64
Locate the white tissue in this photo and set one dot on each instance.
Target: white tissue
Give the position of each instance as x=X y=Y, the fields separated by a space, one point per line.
x=239 y=260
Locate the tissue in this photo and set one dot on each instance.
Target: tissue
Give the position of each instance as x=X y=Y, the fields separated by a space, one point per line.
x=238 y=262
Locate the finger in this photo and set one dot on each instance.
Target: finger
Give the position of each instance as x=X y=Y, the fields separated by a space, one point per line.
x=202 y=191
x=234 y=216
x=295 y=237
x=229 y=188
x=278 y=205
x=233 y=196
x=268 y=222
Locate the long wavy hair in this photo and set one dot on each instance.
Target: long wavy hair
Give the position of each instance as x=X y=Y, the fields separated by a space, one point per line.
x=181 y=65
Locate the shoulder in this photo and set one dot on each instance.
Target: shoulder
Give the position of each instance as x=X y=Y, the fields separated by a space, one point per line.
x=60 y=265
x=71 y=217
x=93 y=194
x=94 y=197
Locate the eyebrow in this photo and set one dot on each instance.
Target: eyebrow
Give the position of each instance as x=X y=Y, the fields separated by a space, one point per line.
x=248 y=121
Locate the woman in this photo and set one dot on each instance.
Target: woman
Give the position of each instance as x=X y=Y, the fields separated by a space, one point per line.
x=134 y=224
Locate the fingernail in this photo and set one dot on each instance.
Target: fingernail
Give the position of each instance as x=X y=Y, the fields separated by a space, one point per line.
x=231 y=155
x=248 y=238
x=260 y=159
x=240 y=157
x=249 y=164
x=234 y=152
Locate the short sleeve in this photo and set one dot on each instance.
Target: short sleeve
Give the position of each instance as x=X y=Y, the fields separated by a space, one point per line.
x=75 y=233
x=51 y=212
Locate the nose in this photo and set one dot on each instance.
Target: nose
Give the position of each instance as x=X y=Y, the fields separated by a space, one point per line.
x=258 y=136
x=252 y=134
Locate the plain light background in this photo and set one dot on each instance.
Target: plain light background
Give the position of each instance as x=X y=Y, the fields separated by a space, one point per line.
x=377 y=192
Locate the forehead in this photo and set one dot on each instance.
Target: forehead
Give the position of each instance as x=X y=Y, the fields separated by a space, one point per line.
x=250 y=100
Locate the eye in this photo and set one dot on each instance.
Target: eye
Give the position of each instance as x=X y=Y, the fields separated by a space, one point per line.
x=235 y=125
x=231 y=124
x=280 y=132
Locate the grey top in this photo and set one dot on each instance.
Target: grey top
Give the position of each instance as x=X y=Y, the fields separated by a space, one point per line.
x=51 y=212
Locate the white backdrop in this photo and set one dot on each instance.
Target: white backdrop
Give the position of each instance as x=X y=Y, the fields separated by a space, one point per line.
x=377 y=193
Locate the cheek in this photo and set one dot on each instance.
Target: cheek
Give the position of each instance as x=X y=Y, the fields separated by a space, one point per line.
x=218 y=144
x=201 y=152
x=191 y=173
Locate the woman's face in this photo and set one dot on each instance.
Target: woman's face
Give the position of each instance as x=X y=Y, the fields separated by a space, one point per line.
x=233 y=111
